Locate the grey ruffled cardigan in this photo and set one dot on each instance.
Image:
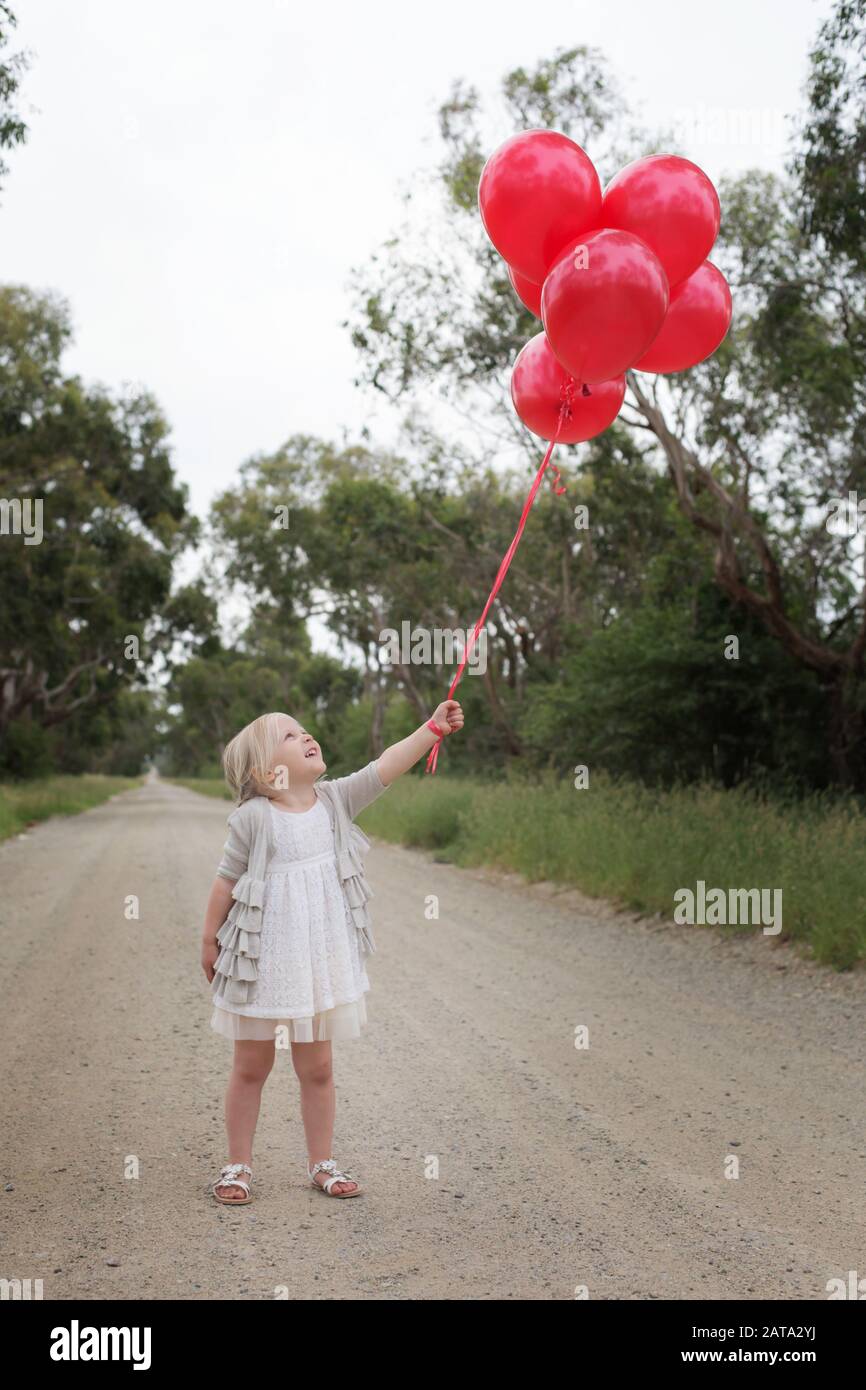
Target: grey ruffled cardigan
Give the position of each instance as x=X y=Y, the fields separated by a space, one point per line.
x=247 y=850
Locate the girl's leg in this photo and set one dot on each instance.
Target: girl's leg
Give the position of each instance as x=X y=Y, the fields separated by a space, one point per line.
x=250 y=1070
x=314 y=1069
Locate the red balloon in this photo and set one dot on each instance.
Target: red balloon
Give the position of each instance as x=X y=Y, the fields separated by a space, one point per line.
x=539 y=385
x=671 y=205
x=527 y=291
x=603 y=303
x=537 y=191
x=697 y=320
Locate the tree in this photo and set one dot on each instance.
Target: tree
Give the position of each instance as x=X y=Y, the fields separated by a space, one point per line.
x=13 y=131
x=830 y=160
x=87 y=605
x=759 y=441
x=779 y=416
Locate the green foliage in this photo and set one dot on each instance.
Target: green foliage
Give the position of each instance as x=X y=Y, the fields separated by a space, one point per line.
x=653 y=696
x=27 y=750
x=116 y=739
x=114 y=520
x=830 y=161
x=13 y=130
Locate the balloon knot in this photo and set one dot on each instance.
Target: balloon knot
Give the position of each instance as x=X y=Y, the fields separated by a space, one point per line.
x=586 y=391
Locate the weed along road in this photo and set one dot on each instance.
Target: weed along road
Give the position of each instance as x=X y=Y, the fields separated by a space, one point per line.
x=707 y=1142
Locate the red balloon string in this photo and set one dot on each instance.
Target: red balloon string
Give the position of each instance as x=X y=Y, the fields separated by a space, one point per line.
x=566 y=396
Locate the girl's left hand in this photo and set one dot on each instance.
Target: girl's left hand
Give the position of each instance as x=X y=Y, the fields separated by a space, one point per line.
x=449 y=716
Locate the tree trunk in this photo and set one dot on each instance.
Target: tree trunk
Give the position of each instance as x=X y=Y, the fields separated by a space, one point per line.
x=513 y=743
x=847 y=733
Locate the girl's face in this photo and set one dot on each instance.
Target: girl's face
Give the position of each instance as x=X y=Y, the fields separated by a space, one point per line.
x=298 y=758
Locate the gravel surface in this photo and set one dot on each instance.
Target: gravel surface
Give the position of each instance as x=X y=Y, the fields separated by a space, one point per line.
x=500 y=1161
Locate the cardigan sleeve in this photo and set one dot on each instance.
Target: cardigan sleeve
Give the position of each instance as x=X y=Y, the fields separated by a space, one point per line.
x=236 y=849
x=360 y=788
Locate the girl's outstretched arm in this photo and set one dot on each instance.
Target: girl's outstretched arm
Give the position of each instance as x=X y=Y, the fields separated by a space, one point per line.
x=399 y=757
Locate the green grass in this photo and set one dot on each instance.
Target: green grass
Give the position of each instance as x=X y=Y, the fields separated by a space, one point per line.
x=208 y=786
x=25 y=803
x=635 y=846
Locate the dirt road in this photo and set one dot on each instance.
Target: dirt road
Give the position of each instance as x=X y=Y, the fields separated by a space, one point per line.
x=558 y=1167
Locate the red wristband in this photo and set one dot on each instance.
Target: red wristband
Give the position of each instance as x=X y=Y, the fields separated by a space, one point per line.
x=431 y=724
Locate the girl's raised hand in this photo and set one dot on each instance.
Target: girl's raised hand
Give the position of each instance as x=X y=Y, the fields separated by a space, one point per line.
x=449 y=716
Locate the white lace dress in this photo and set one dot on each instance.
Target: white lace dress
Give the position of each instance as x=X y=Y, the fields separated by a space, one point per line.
x=311 y=975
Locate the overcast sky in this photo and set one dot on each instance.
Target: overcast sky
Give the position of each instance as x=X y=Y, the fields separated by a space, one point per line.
x=201 y=175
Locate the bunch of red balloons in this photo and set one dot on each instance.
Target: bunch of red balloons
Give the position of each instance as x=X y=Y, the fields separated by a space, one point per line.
x=619 y=279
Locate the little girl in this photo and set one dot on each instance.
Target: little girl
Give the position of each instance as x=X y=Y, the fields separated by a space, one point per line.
x=287 y=926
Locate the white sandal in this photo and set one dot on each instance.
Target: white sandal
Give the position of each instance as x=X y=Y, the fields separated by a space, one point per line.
x=327 y=1165
x=229 y=1178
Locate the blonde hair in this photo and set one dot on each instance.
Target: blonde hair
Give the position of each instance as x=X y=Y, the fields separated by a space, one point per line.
x=248 y=756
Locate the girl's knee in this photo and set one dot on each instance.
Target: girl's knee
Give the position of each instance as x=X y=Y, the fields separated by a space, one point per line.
x=252 y=1074
x=313 y=1063
x=253 y=1061
x=317 y=1074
